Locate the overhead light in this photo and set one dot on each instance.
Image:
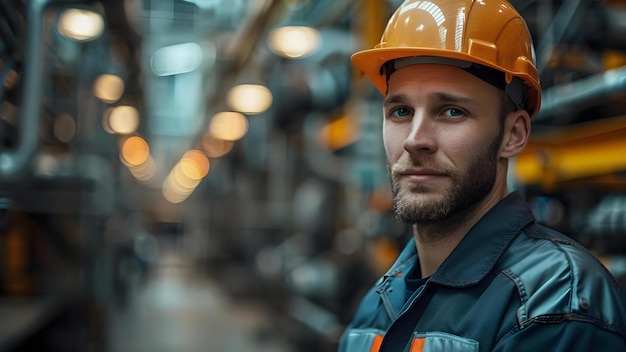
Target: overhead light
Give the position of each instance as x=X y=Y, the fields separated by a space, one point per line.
x=123 y=119
x=80 y=24
x=229 y=126
x=249 y=98
x=108 y=88
x=135 y=151
x=185 y=177
x=194 y=164
x=294 y=41
x=176 y=59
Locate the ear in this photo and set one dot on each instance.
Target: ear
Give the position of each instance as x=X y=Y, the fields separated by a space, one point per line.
x=516 y=133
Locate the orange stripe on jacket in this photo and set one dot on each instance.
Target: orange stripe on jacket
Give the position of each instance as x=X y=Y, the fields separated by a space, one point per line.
x=378 y=340
x=417 y=345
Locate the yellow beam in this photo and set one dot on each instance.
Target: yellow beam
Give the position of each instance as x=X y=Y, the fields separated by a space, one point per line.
x=587 y=150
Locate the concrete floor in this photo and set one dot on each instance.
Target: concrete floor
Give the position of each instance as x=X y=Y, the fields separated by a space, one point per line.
x=179 y=310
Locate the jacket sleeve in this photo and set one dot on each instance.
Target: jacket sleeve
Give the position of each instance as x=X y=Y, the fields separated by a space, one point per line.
x=565 y=336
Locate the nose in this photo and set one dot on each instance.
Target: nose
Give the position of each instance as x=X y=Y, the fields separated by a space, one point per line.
x=421 y=137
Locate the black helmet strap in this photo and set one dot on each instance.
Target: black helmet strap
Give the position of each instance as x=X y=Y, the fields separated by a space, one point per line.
x=516 y=90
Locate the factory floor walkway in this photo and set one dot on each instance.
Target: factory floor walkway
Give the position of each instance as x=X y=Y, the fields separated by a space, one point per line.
x=179 y=310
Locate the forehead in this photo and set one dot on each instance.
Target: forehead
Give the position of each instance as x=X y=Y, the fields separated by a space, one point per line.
x=439 y=77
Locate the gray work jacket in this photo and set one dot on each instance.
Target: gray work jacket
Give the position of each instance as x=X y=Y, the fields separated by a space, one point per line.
x=510 y=285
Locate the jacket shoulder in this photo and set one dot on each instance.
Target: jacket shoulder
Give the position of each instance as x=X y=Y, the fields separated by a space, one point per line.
x=557 y=278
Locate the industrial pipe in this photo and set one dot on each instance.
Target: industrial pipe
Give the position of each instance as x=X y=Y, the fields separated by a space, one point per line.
x=13 y=163
x=564 y=100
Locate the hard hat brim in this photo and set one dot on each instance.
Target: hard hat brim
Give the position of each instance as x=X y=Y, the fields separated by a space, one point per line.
x=370 y=62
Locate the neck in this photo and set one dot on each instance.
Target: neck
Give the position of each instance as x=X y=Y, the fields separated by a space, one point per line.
x=435 y=241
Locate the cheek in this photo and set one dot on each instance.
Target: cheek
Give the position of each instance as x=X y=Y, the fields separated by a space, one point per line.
x=393 y=140
x=472 y=144
x=459 y=145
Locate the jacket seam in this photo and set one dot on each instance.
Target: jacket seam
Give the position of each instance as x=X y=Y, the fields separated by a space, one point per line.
x=521 y=290
x=559 y=319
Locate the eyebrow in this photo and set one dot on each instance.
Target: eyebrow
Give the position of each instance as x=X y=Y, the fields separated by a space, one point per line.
x=395 y=99
x=437 y=97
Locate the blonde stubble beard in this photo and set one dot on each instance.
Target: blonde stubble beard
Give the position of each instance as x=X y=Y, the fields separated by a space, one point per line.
x=422 y=204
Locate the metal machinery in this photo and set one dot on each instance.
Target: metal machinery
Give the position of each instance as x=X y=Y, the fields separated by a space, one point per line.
x=297 y=214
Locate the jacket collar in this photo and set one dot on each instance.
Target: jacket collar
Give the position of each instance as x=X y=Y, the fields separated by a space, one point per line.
x=483 y=245
x=479 y=250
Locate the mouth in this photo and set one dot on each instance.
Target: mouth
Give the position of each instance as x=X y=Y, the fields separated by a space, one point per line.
x=420 y=175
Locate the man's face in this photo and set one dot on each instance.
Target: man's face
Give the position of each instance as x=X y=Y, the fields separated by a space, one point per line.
x=442 y=137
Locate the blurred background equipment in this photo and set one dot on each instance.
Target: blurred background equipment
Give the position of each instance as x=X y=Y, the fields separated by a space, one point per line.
x=209 y=174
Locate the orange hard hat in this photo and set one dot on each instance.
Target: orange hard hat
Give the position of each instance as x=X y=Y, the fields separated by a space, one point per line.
x=489 y=33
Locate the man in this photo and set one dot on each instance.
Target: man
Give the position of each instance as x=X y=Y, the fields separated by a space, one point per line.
x=460 y=88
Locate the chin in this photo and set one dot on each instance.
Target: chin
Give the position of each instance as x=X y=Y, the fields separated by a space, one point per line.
x=421 y=207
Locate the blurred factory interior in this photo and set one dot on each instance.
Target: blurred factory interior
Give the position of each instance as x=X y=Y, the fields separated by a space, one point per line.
x=208 y=175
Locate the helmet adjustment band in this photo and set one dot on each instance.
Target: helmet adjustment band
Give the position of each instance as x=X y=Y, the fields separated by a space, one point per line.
x=516 y=90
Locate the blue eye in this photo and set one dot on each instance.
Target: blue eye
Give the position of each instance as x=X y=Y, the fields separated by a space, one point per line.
x=454 y=112
x=401 y=112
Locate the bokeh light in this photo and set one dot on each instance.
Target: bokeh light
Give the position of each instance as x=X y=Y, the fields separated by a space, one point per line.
x=194 y=164
x=108 y=88
x=249 y=98
x=135 y=151
x=294 y=41
x=123 y=119
x=80 y=24
x=230 y=126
